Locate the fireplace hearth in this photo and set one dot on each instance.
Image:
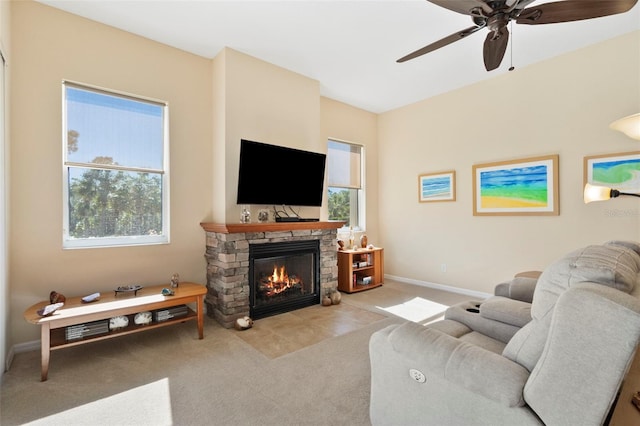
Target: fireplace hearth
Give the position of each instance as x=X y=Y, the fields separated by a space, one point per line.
x=228 y=277
x=283 y=277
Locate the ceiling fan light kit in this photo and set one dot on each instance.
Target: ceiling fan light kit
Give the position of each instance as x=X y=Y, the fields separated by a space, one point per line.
x=495 y=15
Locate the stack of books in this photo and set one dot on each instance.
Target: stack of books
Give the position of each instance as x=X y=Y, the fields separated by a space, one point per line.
x=79 y=331
x=364 y=280
x=173 y=312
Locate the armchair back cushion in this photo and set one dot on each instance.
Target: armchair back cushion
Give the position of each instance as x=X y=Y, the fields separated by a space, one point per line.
x=613 y=264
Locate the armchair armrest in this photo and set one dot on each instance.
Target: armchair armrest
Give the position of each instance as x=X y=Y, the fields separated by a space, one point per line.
x=506 y=310
x=462 y=364
x=521 y=287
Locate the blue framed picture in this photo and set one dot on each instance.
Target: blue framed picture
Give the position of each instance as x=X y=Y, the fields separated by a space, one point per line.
x=437 y=187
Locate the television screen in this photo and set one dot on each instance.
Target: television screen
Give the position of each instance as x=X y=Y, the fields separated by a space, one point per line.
x=275 y=175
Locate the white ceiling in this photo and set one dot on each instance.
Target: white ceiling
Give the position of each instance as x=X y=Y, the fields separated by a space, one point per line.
x=350 y=47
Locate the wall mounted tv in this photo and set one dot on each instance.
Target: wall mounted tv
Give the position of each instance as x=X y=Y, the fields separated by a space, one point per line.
x=276 y=175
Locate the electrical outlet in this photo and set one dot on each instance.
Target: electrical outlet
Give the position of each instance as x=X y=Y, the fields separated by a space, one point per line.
x=443 y=267
x=417 y=375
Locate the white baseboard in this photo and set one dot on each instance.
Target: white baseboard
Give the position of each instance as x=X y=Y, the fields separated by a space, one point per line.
x=466 y=292
x=33 y=345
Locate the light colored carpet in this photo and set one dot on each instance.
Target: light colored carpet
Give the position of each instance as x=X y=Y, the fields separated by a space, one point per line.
x=168 y=377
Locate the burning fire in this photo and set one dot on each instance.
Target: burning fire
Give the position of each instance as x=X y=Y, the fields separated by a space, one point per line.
x=282 y=278
x=279 y=281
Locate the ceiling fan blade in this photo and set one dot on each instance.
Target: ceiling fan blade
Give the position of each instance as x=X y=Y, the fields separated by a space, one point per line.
x=441 y=43
x=495 y=45
x=519 y=4
x=572 y=10
x=463 y=6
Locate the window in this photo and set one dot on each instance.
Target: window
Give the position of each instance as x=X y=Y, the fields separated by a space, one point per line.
x=115 y=168
x=345 y=183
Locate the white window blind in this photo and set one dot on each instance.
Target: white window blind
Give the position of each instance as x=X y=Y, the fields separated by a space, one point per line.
x=115 y=168
x=344 y=162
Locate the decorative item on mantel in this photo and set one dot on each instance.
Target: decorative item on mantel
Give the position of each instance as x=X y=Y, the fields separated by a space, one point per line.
x=263 y=215
x=245 y=215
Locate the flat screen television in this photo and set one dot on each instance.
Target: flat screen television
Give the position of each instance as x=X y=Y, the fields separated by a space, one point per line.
x=276 y=175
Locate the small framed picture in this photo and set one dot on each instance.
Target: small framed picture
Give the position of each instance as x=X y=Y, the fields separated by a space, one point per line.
x=437 y=187
x=618 y=171
x=527 y=186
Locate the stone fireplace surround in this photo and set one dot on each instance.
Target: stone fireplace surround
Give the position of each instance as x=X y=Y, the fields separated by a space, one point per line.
x=227 y=254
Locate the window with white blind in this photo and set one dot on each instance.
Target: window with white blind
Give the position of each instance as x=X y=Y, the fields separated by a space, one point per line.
x=115 y=168
x=345 y=176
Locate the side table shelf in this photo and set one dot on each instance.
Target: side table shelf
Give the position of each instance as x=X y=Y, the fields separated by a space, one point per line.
x=360 y=269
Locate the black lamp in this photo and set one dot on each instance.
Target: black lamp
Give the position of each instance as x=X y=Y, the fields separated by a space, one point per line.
x=601 y=193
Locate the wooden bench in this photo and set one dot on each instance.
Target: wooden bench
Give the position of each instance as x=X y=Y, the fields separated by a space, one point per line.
x=75 y=312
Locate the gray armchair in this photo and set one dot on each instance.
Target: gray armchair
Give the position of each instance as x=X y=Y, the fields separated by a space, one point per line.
x=559 y=360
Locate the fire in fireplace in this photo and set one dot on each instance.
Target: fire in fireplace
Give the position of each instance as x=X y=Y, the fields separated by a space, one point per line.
x=279 y=282
x=283 y=276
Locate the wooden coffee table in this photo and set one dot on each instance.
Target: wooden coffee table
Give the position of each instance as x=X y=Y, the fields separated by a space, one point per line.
x=75 y=312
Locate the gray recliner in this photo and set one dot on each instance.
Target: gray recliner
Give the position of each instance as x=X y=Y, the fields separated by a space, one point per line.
x=559 y=360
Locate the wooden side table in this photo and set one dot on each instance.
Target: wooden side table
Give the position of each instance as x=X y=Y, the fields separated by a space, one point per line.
x=360 y=269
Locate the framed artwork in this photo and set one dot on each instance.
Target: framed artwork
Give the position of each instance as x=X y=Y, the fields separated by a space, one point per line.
x=437 y=187
x=528 y=186
x=618 y=171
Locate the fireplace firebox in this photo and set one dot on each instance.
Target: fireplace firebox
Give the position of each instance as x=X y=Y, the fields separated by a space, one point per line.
x=283 y=276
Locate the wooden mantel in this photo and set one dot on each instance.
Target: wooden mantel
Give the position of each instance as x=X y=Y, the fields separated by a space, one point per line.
x=238 y=228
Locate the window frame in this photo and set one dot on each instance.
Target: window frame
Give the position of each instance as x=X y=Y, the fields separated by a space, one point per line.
x=69 y=242
x=357 y=217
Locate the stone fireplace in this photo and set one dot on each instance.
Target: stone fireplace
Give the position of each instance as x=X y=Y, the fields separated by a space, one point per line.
x=231 y=268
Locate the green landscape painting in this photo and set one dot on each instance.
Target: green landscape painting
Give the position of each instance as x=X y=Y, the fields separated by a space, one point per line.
x=517 y=187
x=620 y=171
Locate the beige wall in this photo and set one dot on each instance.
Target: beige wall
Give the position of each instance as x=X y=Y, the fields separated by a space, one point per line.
x=5 y=310
x=269 y=104
x=343 y=122
x=561 y=106
x=50 y=46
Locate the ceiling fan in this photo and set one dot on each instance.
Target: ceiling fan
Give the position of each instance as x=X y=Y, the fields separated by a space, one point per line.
x=496 y=15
